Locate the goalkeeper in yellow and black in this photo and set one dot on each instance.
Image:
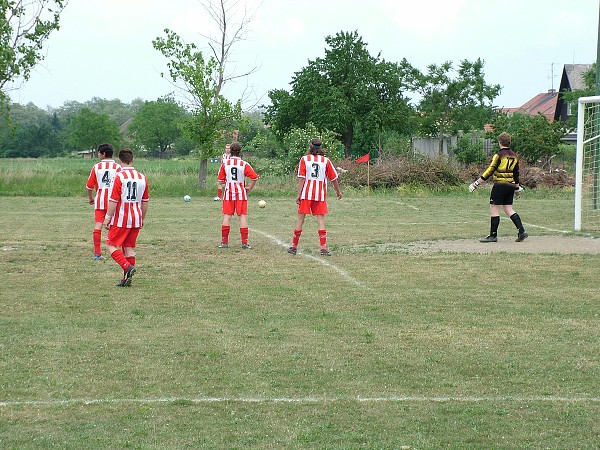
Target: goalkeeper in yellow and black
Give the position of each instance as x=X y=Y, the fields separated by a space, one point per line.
x=505 y=170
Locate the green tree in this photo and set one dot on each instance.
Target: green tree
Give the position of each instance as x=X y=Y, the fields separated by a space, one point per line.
x=296 y=143
x=265 y=144
x=25 y=25
x=452 y=103
x=30 y=132
x=211 y=112
x=156 y=126
x=88 y=129
x=535 y=138
x=117 y=110
x=346 y=90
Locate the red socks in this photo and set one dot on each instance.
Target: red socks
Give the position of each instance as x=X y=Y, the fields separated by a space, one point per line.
x=121 y=260
x=323 y=238
x=244 y=234
x=225 y=234
x=97 y=237
x=296 y=238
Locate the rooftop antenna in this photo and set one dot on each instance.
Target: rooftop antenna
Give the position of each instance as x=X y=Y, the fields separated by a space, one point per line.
x=552 y=76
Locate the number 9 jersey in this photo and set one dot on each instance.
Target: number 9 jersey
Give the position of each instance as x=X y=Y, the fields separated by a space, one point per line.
x=233 y=174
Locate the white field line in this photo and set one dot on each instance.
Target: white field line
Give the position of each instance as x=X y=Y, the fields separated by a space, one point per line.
x=322 y=261
x=528 y=224
x=441 y=222
x=308 y=400
x=546 y=228
x=408 y=206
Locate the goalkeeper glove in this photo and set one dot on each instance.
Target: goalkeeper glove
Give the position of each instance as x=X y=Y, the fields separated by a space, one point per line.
x=519 y=191
x=473 y=186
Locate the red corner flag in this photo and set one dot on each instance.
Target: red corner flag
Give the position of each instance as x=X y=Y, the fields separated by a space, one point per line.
x=364 y=158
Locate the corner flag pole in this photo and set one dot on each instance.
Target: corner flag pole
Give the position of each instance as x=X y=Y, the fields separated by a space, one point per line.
x=369 y=175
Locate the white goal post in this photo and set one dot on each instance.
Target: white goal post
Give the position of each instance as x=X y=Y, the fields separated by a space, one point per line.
x=587 y=169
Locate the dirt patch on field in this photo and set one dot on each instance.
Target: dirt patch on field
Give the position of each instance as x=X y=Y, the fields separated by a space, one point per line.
x=533 y=244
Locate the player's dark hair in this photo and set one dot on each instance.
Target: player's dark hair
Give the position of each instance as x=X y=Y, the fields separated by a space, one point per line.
x=126 y=156
x=505 y=139
x=314 y=147
x=235 y=149
x=106 y=149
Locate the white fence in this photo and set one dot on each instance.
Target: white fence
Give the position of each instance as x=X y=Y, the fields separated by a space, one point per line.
x=431 y=146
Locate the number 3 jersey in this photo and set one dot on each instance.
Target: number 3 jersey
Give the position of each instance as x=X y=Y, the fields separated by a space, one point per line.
x=316 y=170
x=129 y=191
x=233 y=173
x=102 y=177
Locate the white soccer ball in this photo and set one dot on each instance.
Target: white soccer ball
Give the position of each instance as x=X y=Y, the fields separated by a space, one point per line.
x=262 y=203
x=186 y=198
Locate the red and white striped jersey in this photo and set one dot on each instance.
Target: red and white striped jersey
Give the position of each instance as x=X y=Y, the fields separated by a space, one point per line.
x=129 y=191
x=102 y=178
x=233 y=173
x=316 y=170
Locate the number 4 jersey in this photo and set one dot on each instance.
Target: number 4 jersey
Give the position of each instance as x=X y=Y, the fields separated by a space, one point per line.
x=129 y=191
x=102 y=177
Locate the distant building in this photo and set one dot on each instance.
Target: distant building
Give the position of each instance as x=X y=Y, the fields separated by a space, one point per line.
x=572 y=79
x=552 y=104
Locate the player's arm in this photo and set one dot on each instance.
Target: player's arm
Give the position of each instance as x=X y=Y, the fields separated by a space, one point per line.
x=301 y=182
x=110 y=212
x=90 y=195
x=222 y=176
x=90 y=185
x=250 y=174
x=491 y=169
x=488 y=173
x=144 y=210
x=516 y=176
x=251 y=185
x=331 y=173
x=336 y=186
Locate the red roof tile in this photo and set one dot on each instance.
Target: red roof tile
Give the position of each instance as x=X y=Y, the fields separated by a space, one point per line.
x=543 y=103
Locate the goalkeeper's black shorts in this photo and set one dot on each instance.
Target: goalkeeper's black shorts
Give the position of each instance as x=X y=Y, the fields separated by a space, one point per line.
x=502 y=194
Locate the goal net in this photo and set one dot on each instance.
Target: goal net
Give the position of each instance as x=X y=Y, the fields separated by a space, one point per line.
x=587 y=173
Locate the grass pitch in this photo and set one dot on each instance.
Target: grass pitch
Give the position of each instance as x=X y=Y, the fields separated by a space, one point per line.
x=375 y=347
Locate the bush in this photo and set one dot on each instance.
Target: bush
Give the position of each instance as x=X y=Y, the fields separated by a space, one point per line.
x=394 y=172
x=469 y=149
x=296 y=142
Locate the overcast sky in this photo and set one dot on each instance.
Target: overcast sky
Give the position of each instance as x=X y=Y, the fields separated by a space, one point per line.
x=104 y=47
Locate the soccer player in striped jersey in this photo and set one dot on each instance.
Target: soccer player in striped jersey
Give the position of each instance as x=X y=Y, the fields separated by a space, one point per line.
x=313 y=172
x=232 y=178
x=225 y=156
x=101 y=179
x=505 y=170
x=127 y=209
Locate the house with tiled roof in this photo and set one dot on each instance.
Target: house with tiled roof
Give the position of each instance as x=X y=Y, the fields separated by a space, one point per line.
x=573 y=78
x=552 y=104
x=543 y=103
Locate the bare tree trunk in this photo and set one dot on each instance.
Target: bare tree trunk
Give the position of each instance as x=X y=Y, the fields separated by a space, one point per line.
x=203 y=171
